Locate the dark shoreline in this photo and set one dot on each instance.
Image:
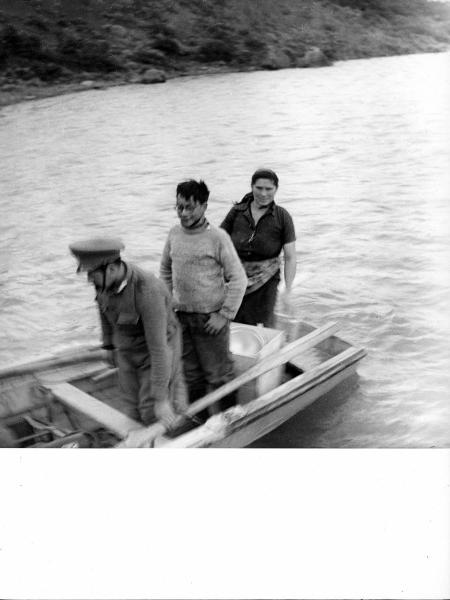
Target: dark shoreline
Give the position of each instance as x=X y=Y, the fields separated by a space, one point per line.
x=24 y=92
x=58 y=47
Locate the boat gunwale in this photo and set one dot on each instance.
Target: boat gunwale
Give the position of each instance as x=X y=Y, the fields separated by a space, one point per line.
x=53 y=361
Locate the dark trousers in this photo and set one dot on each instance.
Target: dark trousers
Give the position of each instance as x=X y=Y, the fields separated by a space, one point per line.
x=259 y=306
x=134 y=384
x=134 y=371
x=207 y=360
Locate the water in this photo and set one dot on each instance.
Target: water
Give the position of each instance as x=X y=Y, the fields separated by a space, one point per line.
x=362 y=152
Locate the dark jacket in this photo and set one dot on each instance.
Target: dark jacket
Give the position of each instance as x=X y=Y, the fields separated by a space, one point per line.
x=139 y=318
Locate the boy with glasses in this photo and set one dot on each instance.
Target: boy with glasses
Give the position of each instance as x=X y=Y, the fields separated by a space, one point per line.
x=202 y=270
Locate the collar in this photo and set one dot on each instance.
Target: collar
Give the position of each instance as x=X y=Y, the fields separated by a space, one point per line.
x=121 y=286
x=129 y=276
x=198 y=229
x=270 y=208
x=124 y=282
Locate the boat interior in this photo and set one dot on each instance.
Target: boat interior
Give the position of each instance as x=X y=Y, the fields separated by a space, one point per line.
x=33 y=417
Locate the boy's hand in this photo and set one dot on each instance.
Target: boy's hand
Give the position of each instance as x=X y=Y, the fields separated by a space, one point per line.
x=215 y=323
x=165 y=413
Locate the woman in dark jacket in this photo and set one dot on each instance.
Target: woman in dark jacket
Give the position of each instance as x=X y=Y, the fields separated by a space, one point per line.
x=261 y=230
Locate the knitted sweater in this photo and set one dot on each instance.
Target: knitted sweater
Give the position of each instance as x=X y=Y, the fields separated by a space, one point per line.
x=203 y=271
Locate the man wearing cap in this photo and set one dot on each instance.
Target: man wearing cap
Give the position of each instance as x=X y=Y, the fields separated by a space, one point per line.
x=139 y=324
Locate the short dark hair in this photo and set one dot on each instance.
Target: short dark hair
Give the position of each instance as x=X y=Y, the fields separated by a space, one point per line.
x=197 y=189
x=265 y=174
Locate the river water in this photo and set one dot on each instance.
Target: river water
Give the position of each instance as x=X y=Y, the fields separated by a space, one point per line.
x=362 y=152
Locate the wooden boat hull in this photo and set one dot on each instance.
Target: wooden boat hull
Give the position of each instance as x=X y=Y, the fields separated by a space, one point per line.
x=83 y=403
x=262 y=425
x=242 y=426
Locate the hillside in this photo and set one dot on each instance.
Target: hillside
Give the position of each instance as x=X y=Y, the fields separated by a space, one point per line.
x=48 y=46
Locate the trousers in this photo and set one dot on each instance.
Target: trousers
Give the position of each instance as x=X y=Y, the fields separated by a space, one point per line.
x=207 y=359
x=134 y=367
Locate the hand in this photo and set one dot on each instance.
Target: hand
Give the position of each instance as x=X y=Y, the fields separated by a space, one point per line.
x=111 y=358
x=137 y=438
x=165 y=413
x=180 y=403
x=286 y=304
x=215 y=323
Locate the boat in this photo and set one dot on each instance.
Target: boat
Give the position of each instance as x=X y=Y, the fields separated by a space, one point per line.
x=71 y=399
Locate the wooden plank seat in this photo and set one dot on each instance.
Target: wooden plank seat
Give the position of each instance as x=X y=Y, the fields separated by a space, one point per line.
x=105 y=415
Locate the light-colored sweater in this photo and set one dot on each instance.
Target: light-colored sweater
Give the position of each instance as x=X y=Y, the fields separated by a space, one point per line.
x=203 y=271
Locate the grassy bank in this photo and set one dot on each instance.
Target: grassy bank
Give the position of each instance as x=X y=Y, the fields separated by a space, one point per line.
x=49 y=47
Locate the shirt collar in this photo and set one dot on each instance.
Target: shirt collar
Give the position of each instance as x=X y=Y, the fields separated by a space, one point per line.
x=124 y=282
x=246 y=206
x=271 y=207
x=198 y=229
x=121 y=286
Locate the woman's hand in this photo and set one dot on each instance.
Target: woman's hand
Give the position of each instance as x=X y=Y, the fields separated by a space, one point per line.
x=285 y=302
x=215 y=323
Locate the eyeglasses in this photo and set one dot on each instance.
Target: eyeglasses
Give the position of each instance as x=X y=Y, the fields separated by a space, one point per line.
x=189 y=209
